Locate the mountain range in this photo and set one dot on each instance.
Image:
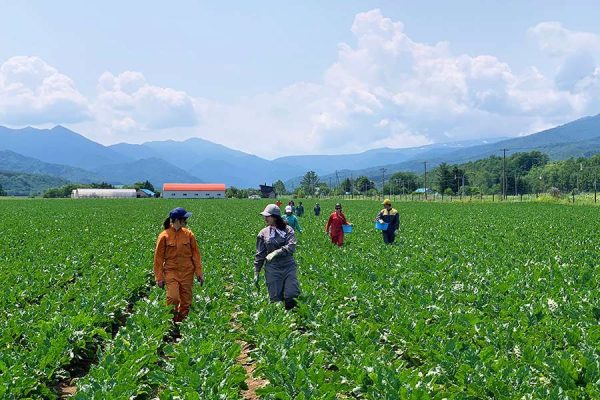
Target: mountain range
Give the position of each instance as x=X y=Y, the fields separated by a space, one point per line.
x=69 y=156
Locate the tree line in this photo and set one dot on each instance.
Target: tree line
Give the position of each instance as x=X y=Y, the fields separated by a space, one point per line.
x=520 y=173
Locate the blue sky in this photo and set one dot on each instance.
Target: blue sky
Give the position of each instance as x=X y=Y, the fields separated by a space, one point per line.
x=306 y=77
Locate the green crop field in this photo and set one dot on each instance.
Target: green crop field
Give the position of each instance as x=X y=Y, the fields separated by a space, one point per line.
x=475 y=301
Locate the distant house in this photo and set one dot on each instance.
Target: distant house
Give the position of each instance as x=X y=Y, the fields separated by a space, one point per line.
x=193 y=191
x=145 y=193
x=423 y=191
x=267 y=191
x=91 y=193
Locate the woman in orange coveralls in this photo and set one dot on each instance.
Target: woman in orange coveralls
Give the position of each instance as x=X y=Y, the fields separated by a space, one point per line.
x=176 y=260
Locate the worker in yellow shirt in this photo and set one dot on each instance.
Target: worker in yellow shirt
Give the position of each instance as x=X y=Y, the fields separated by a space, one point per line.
x=391 y=217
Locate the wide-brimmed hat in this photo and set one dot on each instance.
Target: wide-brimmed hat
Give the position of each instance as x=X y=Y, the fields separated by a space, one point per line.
x=387 y=202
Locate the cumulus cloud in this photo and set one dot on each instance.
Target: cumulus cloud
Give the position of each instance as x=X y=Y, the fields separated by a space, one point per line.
x=556 y=40
x=33 y=92
x=389 y=90
x=384 y=89
x=127 y=102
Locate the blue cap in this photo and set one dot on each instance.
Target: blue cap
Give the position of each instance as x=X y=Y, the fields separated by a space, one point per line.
x=179 y=212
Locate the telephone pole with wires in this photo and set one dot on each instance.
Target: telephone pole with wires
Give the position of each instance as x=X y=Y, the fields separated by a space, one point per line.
x=425 y=178
x=383 y=181
x=504 y=181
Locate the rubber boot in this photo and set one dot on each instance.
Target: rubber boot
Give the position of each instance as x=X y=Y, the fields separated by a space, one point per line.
x=290 y=303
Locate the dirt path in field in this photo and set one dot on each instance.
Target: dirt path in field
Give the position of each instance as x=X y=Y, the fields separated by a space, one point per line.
x=64 y=391
x=246 y=361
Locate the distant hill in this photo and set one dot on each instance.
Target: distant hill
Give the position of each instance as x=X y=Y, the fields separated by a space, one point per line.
x=212 y=162
x=134 y=151
x=574 y=139
x=197 y=159
x=58 y=145
x=11 y=161
x=21 y=184
x=329 y=163
x=155 y=170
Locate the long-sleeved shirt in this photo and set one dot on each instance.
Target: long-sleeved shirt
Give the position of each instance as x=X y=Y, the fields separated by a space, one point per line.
x=300 y=210
x=335 y=222
x=269 y=240
x=293 y=222
x=390 y=217
x=176 y=250
x=317 y=210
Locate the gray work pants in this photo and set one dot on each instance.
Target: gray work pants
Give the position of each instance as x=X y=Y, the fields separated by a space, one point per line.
x=282 y=282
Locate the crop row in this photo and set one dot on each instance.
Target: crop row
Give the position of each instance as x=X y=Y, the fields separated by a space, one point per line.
x=474 y=301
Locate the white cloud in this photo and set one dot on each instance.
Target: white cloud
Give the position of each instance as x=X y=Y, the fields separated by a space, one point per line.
x=389 y=90
x=33 y=92
x=126 y=102
x=557 y=41
x=385 y=89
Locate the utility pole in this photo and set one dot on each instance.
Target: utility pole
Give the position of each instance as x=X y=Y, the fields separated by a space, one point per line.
x=337 y=180
x=383 y=181
x=457 y=184
x=425 y=178
x=515 y=183
x=504 y=174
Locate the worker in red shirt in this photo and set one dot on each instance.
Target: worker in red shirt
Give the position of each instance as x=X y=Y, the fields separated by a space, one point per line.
x=176 y=261
x=334 y=225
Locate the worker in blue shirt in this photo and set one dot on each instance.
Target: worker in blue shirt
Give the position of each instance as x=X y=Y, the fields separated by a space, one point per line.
x=291 y=219
x=391 y=217
x=300 y=210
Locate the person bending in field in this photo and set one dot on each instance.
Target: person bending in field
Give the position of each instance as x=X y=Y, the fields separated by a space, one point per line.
x=334 y=225
x=391 y=217
x=176 y=261
x=291 y=219
x=275 y=247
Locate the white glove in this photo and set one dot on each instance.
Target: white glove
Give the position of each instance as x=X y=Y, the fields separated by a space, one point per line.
x=273 y=254
x=396 y=232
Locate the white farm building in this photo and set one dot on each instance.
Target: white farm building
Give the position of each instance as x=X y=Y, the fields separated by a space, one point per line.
x=193 y=191
x=90 y=193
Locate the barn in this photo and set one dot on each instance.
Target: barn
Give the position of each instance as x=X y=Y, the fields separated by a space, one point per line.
x=145 y=193
x=193 y=191
x=91 y=193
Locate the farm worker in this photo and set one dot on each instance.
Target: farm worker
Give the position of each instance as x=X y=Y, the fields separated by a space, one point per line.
x=176 y=261
x=300 y=210
x=391 y=217
x=334 y=225
x=291 y=219
x=275 y=246
x=291 y=203
x=317 y=210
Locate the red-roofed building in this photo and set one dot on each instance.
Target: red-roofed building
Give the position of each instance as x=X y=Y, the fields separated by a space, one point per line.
x=193 y=191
